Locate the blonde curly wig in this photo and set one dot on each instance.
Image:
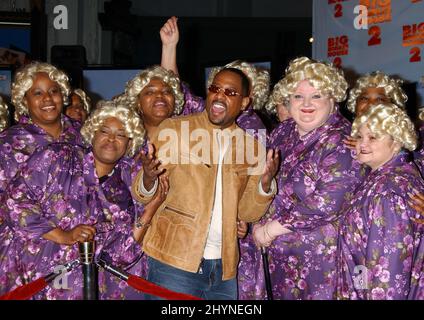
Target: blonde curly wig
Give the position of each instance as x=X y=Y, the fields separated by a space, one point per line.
x=259 y=80
x=121 y=99
x=392 y=88
x=132 y=122
x=324 y=77
x=387 y=118
x=136 y=85
x=4 y=115
x=24 y=79
x=421 y=113
x=86 y=101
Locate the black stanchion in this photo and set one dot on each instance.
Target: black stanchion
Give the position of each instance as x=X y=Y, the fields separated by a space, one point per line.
x=267 y=275
x=89 y=269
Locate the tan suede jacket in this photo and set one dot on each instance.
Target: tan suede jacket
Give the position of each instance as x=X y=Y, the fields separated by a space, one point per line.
x=179 y=229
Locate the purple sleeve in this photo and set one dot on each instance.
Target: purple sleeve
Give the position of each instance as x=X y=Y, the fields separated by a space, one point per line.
x=250 y=122
x=119 y=245
x=25 y=201
x=15 y=146
x=129 y=171
x=389 y=246
x=193 y=103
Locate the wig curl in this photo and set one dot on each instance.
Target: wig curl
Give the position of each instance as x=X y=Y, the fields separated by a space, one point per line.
x=392 y=89
x=421 y=113
x=24 y=79
x=4 y=115
x=259 y=80
x=121 y=99
x=86 y=101
x=137 y=84
x=130 y=119
x=387 y=118
x=324 y=77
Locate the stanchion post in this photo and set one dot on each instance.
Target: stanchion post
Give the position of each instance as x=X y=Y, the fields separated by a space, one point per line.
x=267 y=275
x=89 y=269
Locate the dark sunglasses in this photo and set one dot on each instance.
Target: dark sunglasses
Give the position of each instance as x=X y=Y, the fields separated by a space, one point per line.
x=228 y=92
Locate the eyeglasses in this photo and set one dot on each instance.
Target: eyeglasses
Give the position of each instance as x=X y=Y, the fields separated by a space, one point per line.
x=228 y=92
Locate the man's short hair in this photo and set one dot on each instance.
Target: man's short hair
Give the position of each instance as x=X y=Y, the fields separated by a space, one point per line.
x=244 y=80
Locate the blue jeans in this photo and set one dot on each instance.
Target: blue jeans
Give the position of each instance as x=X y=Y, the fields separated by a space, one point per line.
x=206 y=283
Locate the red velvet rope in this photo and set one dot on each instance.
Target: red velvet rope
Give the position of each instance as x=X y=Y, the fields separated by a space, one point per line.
x=26 y=291
x=147 y=287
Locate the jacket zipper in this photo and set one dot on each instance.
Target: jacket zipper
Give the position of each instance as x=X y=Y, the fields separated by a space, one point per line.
x=180 y=212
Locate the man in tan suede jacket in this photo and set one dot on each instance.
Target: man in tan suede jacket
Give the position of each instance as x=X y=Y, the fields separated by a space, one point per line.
x=218 y=174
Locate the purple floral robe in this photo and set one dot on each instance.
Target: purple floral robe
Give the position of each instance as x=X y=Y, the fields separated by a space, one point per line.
x=317 y=174
x=248 y=120
x=377 y=233
x=18 y=142
x=128 y=175
x=58 y=187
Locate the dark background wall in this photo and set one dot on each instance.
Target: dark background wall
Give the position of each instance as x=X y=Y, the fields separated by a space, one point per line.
x=210 y=41
x=223 y=8
x=212 y=32
x=124 y=33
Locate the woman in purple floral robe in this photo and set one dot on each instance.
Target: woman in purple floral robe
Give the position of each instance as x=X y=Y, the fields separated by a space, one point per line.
x=61 y=194
x=317 y=174
x=39 y=92
x=380 y=252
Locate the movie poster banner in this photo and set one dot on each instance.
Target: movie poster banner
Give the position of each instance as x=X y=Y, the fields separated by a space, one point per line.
x=368 y=35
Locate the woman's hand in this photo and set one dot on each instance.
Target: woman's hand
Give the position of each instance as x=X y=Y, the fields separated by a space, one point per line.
x=265 y=234
x=260 y=237
x=151 y=169
x=170 y=36
x=169 y=33
x=350 y=142
x=159 y=196
x=272 y=164
x=80 y=233
x=150 y=209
